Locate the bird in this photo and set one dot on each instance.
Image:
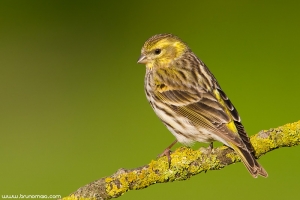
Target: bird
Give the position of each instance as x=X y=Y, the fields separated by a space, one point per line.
x=189 y=101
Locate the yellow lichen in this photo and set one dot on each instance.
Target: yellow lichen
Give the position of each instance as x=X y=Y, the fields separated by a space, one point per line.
x=108 y=180
x=233 y=157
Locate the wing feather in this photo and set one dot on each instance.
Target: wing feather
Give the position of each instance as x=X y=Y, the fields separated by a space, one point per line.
x=202 y=109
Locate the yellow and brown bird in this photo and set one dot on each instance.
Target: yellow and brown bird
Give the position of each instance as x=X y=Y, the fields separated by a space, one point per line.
x=189 y=101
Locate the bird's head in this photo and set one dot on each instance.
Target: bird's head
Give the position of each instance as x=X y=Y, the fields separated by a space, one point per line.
x=161 y=49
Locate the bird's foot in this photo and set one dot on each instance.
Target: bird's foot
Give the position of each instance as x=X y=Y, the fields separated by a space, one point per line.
x=207 y=150
x=167 y=152
x=210 y=147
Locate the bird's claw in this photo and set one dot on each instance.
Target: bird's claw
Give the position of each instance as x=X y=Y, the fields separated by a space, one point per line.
x=166 y=152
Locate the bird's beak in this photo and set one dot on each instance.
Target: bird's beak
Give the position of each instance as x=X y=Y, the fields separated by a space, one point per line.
x=142 y=59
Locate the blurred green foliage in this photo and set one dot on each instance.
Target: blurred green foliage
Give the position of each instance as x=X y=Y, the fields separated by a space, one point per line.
x=73 y=107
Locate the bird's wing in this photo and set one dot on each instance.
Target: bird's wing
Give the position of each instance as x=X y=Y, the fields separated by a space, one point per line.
x=205 y=109
x=237 y=120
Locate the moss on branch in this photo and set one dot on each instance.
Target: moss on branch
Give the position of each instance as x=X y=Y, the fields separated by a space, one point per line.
x=184 y=164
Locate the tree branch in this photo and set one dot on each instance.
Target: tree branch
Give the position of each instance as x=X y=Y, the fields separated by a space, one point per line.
x=184 y=164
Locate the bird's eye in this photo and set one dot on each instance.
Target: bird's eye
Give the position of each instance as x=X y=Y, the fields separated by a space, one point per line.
x=157 y=51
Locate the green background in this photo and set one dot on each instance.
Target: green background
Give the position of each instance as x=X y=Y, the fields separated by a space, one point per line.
x=73 y=108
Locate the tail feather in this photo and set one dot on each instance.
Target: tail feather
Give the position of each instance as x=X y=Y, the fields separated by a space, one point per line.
x=243 y=135
x=250 y=162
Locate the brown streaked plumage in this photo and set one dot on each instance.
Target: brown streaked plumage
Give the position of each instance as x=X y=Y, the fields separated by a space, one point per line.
x=188 y=99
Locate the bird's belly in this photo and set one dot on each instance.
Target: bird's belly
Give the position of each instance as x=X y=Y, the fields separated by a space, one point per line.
x=182 y=128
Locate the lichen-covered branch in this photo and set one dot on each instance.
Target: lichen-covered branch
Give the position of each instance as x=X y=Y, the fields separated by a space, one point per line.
x=184 y=164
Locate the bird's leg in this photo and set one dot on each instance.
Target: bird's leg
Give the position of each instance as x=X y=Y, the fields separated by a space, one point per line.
x=167 y=151
x=210 y=147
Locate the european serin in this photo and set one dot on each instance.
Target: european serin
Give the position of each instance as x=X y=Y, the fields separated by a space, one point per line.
x=188 y=99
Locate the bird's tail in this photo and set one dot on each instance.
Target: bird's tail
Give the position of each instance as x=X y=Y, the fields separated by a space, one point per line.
x=250 y=162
